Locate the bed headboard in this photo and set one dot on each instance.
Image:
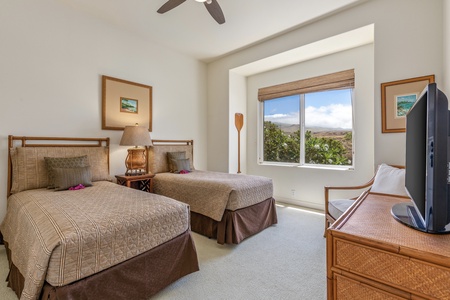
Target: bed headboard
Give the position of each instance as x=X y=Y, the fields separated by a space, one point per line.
x=157 y=154
x=26 y=164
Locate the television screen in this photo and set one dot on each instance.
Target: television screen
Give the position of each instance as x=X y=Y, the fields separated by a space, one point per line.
x=416 y=142
x=427 y=164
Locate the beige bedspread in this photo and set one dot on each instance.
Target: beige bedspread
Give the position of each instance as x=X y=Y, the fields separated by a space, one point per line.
x=68 y=235
x=210 y=193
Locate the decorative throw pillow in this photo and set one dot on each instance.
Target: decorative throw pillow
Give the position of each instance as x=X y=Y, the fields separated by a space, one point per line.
x=65 y=178
x=389 y=180
x=174 y=156
x=63 y=162
x=181 y=164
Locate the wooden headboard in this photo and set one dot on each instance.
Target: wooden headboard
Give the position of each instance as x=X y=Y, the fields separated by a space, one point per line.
x=157 y=154
x=56 y=142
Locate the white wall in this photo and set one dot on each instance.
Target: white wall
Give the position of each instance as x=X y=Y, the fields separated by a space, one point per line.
x=394 y=61
x=405 y=46
x=51 y=61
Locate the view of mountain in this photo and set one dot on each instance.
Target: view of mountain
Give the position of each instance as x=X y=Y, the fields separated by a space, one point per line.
x=338 y=134
x=291 y=128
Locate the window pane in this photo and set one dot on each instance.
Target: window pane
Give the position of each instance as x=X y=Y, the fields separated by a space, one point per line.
x=282 y=129
x=328 y=127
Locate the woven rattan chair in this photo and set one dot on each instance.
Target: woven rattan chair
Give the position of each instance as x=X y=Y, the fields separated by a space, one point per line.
x=334 y=208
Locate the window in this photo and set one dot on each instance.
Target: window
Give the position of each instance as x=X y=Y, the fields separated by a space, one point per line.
x=305 y=123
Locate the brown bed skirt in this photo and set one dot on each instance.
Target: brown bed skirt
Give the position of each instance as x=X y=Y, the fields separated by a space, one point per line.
x=137 y=278
x=236 y=225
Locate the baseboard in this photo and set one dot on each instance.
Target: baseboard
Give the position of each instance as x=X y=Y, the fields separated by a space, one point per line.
x=296 y=202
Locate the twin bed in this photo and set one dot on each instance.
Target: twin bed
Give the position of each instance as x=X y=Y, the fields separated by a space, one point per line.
x=102 y=242
x=107 y=241
x=228 y=207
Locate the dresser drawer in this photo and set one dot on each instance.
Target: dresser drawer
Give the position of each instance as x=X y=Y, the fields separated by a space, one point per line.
x=402 y=272
x=350 y=289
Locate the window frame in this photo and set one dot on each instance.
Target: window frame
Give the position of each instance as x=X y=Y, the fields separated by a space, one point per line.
x=301 y=163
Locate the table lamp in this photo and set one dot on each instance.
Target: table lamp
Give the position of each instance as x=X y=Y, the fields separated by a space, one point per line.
x=137 y=136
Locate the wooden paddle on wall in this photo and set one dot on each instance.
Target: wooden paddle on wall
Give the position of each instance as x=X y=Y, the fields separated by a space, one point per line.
x=239 y=122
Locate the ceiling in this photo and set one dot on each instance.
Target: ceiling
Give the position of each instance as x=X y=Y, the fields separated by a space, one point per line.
x=190 y=29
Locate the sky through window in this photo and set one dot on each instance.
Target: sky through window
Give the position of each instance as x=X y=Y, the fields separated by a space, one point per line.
x=327 y=109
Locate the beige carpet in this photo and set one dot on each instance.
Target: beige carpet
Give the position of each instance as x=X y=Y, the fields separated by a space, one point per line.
x=285 y=261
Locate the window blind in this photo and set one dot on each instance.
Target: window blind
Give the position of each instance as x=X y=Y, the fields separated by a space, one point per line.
x=338 y=80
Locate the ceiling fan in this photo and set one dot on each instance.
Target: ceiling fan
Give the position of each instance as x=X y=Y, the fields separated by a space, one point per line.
x=212 y=6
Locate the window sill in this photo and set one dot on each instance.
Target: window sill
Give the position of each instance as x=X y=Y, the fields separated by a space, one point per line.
x=320 y=167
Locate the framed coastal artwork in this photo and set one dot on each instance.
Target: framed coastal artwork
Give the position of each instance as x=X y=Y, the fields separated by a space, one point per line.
x=125 y=103
x=129 y=105
x=397 y=97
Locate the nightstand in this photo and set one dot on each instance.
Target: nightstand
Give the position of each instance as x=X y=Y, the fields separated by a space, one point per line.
x=139 y=182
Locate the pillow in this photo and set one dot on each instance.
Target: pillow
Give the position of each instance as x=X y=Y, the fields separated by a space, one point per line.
x=28 y=170
x=63 y=162
x=158 y=161
x=68 y=177
x=389 y=180
x=181 y=164
x=174 y=156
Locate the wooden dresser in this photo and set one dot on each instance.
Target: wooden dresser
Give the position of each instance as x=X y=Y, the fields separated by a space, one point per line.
x=372 y=256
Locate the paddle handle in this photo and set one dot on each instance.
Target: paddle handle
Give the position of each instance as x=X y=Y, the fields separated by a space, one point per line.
x=239 y=152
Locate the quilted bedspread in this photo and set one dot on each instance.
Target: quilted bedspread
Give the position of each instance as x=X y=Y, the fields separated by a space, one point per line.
x=64 y=236
x=210 y=193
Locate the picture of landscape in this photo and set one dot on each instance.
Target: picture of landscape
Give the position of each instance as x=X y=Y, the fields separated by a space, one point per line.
x=404 y=104
x=128 y=105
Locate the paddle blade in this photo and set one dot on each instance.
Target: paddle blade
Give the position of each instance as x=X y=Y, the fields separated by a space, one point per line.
x=171 y=4
x=238 y=121
x=215 y=11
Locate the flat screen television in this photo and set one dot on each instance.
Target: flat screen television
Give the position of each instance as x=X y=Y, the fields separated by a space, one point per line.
x=427 y=164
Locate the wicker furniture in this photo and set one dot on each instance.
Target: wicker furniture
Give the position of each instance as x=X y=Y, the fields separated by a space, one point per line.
x=334 y=208
x=139 y=182
x=372 y=256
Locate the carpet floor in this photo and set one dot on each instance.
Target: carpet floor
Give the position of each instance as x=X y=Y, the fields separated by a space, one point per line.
x=285 y=261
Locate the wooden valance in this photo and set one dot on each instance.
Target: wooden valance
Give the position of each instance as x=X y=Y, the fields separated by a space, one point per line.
x=338 y=80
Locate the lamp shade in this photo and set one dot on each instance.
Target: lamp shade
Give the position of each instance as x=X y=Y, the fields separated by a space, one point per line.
x=135 y=136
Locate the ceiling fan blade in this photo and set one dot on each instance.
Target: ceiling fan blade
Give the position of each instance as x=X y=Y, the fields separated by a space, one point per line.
x=215 y=11
x=169 y=5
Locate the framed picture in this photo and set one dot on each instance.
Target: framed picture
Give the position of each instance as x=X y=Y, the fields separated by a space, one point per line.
x=128 y=105
x=125 y=103
x=397 y=97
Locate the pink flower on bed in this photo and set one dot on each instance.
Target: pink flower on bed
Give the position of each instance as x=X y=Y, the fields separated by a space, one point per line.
x=184 y=171
x=77 y=187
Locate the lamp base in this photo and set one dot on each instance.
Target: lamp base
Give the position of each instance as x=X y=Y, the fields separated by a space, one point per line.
x=135 y=172
x=136 y=162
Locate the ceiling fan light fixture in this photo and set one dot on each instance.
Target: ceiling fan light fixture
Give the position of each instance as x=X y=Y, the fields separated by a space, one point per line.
x=212 y=6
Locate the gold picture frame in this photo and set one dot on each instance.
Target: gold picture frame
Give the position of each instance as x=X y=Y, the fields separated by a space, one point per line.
x=397 y=97
x=114 y=92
